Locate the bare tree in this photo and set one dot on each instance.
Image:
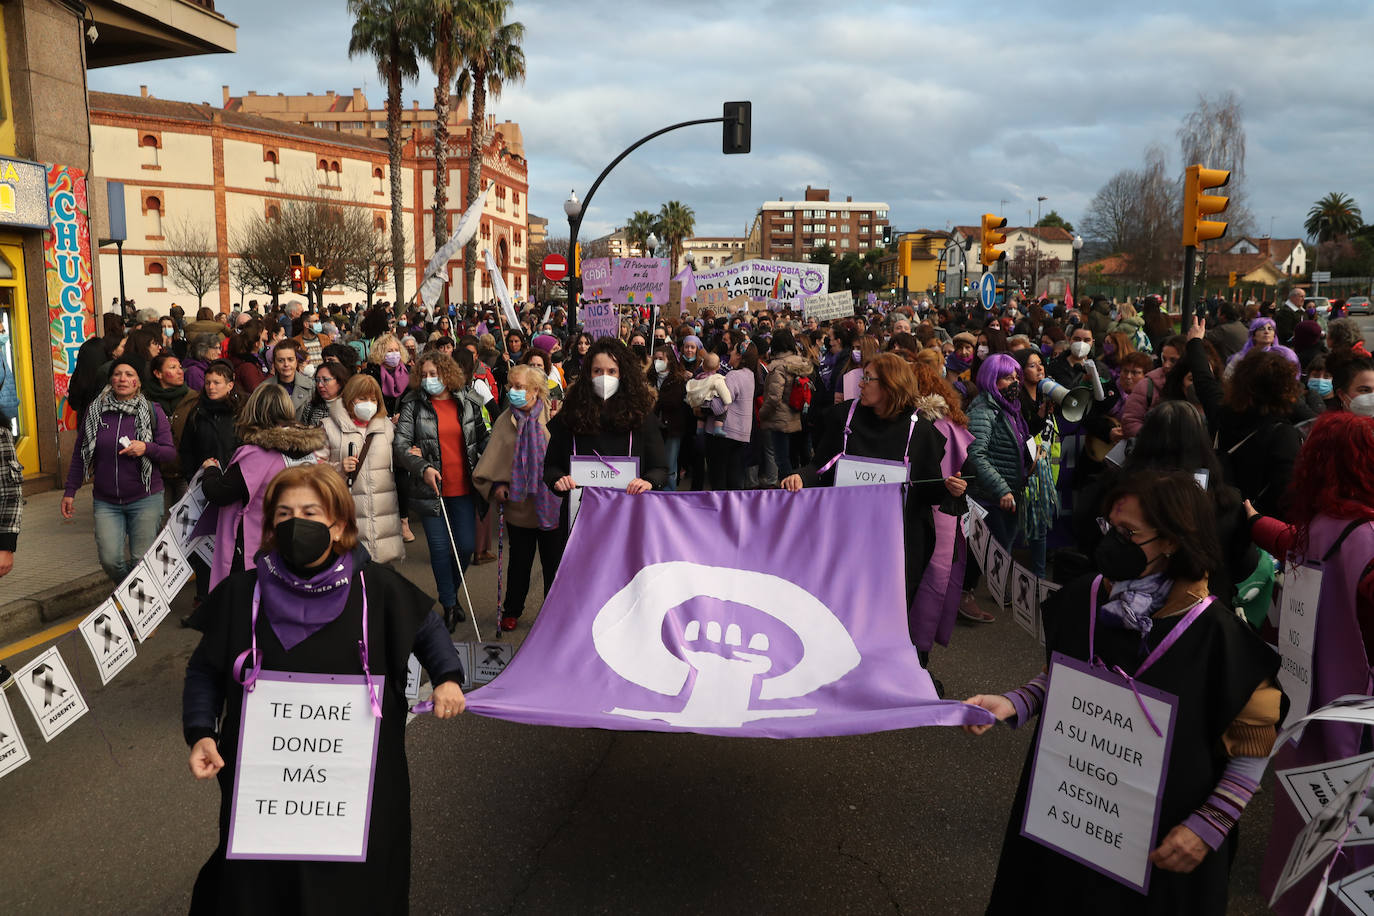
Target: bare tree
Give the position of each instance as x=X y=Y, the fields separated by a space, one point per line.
x=263 y=251
x=192 y=259
x=1112 y=211
x=1153 y=241
x=369 y=271
x=1213 y=134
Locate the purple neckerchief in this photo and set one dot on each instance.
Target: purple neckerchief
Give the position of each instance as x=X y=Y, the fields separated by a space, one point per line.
x=298 y=607
x=1165 y=644
x=1134 y=600
x=527 y=465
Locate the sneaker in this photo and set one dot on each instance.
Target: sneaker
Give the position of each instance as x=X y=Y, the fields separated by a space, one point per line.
x=508 y=622
x=970 y=611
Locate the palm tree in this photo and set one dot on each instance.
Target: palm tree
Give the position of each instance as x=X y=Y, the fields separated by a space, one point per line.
x=384 y=30
x=638 y=229
x=489 y=50
x=676 y=221
x=1333 y=216
x=442 y=52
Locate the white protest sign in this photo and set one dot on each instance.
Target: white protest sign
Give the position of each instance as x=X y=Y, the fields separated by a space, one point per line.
x=1024 y=598
x=863 y=472
x=109 y=639
x=307 y=757
x=1357 y=891
x=464 y=651
x=1302 y=586
x=50 y=693
x=183 y=522
x=1349 y=708
x=1324 y=835
x=1312 y=788
x=168 y=563
x=205 y=549
x=13 y=752
x=829 y=306
x=978 y=538
x=489 y=659
x=997 y=569
x=615 y=473
x=785 y=281
x=142 y=600
x=1099 y=770
x=412 y=678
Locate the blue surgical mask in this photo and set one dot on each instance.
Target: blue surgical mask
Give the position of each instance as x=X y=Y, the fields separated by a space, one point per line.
x=432 y=384
x=316 y=326
x=1320 y=385
x=518 y=397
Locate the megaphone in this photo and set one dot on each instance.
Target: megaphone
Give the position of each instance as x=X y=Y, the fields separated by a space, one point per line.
x=1073 y=403
x=1098 y=393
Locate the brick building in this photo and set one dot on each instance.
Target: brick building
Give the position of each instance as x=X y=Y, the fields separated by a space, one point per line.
x=791 y=230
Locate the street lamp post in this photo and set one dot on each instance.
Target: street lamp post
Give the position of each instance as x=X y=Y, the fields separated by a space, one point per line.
x=1035 y=240
x=1077 y=247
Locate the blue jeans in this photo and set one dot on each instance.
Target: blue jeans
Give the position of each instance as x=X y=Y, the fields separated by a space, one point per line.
x=672 y=446
x=782 y=452
x=462 y=516
x=118 y=525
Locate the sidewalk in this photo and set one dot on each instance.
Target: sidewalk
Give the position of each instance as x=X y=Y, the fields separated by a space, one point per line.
x=56 y=573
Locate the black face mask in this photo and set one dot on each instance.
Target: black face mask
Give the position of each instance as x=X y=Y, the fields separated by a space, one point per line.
x=639 y=350
x=1119 y=558
x=1012 y=392
x=557 y=357
x=301 y=542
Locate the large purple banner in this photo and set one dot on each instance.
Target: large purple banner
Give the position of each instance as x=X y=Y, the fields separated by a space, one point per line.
x=709 y=613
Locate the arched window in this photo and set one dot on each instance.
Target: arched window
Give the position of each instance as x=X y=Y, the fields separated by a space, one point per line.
x=517 y=238
x=379 y=177
x=379 y=223
x=335 y=173
x=486 y=232
x=152 y=207
x=272 y=214
x=272 y=160
x=519 y=283
x=157 y=276
x=150 y=144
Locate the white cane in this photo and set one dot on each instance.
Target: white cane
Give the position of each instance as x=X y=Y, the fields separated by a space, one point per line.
x=458 y=559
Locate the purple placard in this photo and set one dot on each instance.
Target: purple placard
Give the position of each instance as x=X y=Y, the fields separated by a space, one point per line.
x=640 y=281
x=1105 y=675
x=596 y=279
x=600 y=319
x=380 y=681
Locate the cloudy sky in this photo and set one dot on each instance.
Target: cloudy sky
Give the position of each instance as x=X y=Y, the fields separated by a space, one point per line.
x=918 y=104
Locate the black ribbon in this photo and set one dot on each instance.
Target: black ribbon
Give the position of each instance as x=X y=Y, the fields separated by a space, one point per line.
x=102 y=628
x=42 y=676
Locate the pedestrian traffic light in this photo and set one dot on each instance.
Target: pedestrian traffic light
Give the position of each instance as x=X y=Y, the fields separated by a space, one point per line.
x=1197 y=205
x=297 y=273
x=1231 y=279
x=735 y=134
x=887 y=236
x=992 y=236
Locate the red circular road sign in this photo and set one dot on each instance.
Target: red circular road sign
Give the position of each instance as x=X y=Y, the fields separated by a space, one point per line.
x=555 y=267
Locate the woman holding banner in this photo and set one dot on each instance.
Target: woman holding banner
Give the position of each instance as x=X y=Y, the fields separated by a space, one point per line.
x=866 y=439
x=1161 y=783
x=300 y=678
x=607 y=418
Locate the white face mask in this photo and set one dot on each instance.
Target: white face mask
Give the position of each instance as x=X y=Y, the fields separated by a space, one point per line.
x=365 y=410
x=1362 y=405
x=308 y=369
x=982 y=351
x=1080 y=348
x=606 y=386
x=660 y=366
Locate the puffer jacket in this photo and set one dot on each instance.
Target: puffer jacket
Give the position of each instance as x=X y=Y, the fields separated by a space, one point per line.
x=1148 y=392
x=995 y=454
x=417 y=425
x=775 y=412
x=374 y=489
x=1133 y=326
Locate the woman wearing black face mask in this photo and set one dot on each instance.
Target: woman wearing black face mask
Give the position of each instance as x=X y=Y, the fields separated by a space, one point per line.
x=1148 y=616
x=313 y=626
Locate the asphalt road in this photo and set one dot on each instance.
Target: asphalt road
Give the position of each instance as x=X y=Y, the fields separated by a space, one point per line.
x=523 y=819
x=1366 y=323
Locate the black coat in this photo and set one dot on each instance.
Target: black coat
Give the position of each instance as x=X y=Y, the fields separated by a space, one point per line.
x=209 y=433
x=418 y=425
x=647 y=447
x=674 y=417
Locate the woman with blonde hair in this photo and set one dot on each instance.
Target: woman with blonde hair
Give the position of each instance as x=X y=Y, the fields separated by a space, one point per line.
x=312 y=603
x=511 y=475
x=358 y=438
x=440 y=435
x=882 y=426
x=387 y=363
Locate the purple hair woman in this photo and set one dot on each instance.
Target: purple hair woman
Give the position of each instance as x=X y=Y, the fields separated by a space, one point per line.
x=1263 y=337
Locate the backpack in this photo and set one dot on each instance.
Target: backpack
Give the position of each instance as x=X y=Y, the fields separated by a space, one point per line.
x=799 y=395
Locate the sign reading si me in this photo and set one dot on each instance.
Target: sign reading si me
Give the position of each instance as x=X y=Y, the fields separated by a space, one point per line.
x=1099 y=769
x=13 y=752
x=109 y=639
x=50 y=693
x=307 y=756
x=67 y=266
x=615 y=473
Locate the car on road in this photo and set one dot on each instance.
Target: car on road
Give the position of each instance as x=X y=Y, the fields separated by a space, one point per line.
x=1359 y=305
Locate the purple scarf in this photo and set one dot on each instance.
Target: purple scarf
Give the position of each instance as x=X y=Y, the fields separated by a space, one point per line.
x=527 y=469
x=297 y=607
x=394 y=381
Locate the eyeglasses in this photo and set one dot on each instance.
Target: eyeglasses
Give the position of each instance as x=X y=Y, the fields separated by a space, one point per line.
x=1129 y=534
x=868 y=378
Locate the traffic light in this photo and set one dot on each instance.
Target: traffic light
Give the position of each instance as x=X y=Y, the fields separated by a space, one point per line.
x=297 y=273
x=577 y=260
x=312 y=274
x=1231 y=279
x=887 y=236
x=735 y=133
x=942 y=287
x=1197 y=206
x=992 y=236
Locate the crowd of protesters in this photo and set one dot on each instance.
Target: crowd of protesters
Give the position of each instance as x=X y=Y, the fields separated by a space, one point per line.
x=1175 y=461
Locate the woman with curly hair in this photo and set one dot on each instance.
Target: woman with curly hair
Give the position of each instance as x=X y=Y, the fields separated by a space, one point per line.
x=1330 y=529
x=608 y=412
x=1256 y=435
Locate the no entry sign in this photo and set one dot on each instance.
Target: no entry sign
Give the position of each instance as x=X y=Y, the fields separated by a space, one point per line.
x=555 y=267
